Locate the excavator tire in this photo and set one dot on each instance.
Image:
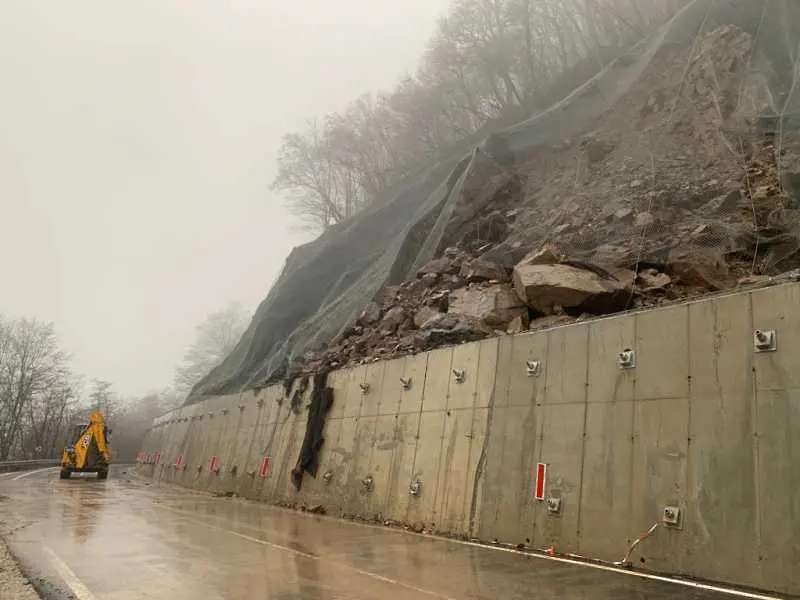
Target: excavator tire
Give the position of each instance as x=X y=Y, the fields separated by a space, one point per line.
x=102 y=474
x=65 y=473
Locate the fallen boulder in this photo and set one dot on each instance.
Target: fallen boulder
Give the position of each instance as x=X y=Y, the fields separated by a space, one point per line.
x=439 y=266
x=425 y=314
x=702 y=268
x=430 y=279
x=546 y=255
x=450 y=329
x=482 y=270
x=496 y=305
x=393 y=319
x=371 y=314
x=651 y=279
x=544 y=287
x=519 y=324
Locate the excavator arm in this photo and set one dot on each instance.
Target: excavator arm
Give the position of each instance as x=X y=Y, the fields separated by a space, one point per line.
x=90 y=450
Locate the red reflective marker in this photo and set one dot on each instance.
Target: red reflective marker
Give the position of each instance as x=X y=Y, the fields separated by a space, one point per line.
x=264 y=469
x=541 y=473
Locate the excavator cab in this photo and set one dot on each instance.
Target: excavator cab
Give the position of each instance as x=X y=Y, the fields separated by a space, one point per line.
x=90 y=451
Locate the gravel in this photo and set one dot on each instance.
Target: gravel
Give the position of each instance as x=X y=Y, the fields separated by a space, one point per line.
x=13 y=585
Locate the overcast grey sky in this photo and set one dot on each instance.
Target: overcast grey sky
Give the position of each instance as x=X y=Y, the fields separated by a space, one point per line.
x=137 y=147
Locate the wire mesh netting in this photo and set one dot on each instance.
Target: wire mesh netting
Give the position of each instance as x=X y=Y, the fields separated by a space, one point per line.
x=683 y=154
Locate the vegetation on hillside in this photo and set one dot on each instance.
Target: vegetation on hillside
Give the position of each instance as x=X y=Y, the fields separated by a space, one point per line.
x=488 y=61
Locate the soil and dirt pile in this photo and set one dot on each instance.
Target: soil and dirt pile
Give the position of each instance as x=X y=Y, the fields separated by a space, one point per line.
x=673 y=173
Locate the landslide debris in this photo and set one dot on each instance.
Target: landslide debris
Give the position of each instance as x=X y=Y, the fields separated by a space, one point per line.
x=678 y=190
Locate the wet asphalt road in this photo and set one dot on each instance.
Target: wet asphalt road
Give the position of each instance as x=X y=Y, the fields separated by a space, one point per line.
x=127 y=539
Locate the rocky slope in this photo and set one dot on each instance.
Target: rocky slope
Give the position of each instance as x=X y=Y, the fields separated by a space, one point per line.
x=682 y=188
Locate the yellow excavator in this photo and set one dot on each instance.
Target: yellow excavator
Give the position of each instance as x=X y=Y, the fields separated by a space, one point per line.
x=91 y=451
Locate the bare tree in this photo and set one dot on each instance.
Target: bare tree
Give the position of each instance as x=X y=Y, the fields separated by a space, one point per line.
x=102 y=398
x=39 y=395
x=215 y=338
x=306 y=172
x=35 y=387
x=488 y=61
x=48 y=418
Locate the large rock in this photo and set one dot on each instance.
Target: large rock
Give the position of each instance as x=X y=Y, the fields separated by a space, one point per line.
x=545 y=287
x=371 y=314
x=651 y=279
x=506 y=254
x=614 y=254
x=449 y=329
x=425 y=314
x=393 y=319
x=701 y=268
x=440 y=266
x=430 y=279
x=546 y=255
x=519 y=324
x=496 y=305
x=482 y=270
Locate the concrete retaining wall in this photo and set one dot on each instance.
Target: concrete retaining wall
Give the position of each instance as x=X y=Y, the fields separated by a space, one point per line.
x=703 y=423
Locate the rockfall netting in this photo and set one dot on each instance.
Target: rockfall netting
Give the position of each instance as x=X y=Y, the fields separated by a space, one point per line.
x=683 y=154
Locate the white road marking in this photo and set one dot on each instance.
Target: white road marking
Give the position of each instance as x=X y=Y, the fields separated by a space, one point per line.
x=600 y=567
x=75 y=585
x=314 y=557
x=692 y=584
x=593 y=565
x=29 y=473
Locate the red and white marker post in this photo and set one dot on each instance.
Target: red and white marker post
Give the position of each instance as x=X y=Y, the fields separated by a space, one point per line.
x=264 y=469
x=541 y=477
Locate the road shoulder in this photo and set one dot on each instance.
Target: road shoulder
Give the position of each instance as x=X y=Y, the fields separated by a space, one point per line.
x=14 y=585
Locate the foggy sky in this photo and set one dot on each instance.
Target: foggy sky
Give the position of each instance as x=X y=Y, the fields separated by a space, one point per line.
x=138 y=141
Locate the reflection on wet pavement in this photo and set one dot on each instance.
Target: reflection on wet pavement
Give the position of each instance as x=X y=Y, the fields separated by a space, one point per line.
x=124 y=538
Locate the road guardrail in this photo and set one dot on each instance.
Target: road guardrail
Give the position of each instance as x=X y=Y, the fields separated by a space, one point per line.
x=26 y=465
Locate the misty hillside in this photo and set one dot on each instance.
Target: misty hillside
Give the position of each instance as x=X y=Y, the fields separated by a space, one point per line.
x=661 y=161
